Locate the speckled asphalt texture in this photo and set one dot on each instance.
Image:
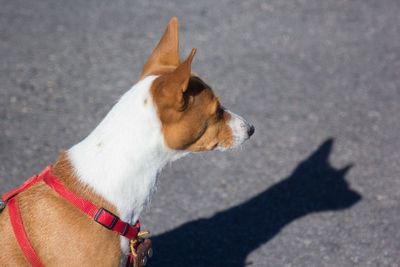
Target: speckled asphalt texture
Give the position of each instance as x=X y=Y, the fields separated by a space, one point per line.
x=317 y=185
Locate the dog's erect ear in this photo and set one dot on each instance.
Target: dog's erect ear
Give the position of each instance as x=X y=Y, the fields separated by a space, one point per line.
x=176 y=82
x=179 y=78
x=166 y=54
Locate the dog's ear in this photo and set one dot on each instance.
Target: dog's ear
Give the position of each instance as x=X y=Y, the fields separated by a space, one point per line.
x=181 y=75
x=176 y=82
x=166 y=54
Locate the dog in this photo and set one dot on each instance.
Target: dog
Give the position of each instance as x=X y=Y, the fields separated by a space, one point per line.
x=166 y=115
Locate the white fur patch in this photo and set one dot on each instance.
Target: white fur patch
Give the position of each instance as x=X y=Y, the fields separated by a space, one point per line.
x=123 y=155
x=239 y=128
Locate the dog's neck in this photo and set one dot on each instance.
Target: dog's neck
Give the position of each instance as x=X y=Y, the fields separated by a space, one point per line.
x=121 y=158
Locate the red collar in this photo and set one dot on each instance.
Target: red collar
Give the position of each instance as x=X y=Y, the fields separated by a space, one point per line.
x=100 y=215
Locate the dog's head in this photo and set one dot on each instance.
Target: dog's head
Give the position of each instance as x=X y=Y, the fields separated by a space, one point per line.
x=192 y=117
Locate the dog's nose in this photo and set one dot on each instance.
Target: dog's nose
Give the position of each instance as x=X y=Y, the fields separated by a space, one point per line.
x=250 y=130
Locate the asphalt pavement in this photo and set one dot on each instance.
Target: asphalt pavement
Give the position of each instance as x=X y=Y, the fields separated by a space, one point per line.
x=317 y=185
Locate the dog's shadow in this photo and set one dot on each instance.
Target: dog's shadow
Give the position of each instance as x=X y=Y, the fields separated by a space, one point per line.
x=228 y=237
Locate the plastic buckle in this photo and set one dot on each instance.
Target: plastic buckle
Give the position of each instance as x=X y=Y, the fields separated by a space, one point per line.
x=114 y=221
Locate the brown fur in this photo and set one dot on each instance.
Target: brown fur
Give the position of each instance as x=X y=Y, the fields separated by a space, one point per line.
x=191 y=116
x=164 y=57
x=200 y=125
x=61 y=234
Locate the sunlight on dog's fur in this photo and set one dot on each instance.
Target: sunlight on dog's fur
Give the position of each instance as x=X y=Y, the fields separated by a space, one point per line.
x=166 y=115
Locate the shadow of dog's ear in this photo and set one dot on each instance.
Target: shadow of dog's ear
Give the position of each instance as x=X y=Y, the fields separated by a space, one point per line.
x=319 y=158
x=324 y=186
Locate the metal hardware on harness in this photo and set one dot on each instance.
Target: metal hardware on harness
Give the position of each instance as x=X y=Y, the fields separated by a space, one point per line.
x=143 y=234
x=2 y=205
x=141 y=249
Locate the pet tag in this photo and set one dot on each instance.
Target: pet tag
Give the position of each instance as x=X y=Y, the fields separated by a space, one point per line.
x=141 y=249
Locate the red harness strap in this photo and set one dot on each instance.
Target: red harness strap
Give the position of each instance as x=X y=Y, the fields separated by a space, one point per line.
x=20 y=234
x=100 y=215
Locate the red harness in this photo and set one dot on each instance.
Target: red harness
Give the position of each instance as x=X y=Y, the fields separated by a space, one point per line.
x=100 y=215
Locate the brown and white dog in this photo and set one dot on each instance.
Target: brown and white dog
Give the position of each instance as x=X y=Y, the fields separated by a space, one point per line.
x=166 y=115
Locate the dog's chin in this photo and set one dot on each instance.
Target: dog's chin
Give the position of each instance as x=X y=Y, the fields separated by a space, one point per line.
x=237 y=142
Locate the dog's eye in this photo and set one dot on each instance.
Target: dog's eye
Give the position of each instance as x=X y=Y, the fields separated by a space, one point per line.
x=220 y=112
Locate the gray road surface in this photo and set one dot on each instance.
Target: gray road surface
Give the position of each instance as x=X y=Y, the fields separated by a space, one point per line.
x=318 y=184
